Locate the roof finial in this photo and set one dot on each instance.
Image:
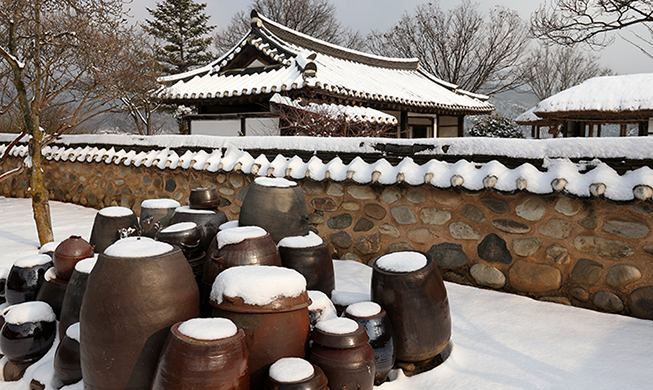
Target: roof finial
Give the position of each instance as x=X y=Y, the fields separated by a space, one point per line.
x=256 y=21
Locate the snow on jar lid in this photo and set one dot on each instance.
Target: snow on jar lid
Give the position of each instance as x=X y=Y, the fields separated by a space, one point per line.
x=308 y=241
x=258 y=284
x=137 y=247
x=276 y=182
x=402 y=262
x=322 y=305
x=239 y=234
x=291 y=370
x=179 y=227
x=35 y=311
x=208 y=328
x=49 y=247
x=339 y=333
x=229 y=225
x=188 y=210
x=50 y=274
x=115 y=212
x=86 y=266
x=32 y=261
x=73 y=332
x=159 y=204
x=4 y=272
x=363 y=309
x=338 y=325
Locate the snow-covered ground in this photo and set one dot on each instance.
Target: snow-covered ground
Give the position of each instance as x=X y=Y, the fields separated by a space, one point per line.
x=501 y=341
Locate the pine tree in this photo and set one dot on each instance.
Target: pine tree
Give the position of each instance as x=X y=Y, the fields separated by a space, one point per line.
x=180 y=26
x=495 y=126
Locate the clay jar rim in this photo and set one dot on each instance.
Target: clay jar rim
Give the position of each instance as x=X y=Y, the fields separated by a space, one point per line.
x=377 y=316
x=204 y=198
x=174 y=330
x=279 y=305
x=421 y=272
x=174 y=249
x=316 y=381
x=308 y=248
x=245 y=242
x=341 y=341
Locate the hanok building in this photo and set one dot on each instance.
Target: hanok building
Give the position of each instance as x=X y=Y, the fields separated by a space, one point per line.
x=583 y=110
x=232 y=94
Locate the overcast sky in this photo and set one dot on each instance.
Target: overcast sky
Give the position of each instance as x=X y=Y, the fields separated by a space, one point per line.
x=368 y=15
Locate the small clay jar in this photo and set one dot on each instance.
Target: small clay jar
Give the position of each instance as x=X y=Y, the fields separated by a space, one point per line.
x=378 y=328
x=208 y=221
x=28 y=332
x=295 y=374
x=52 y=291
x=72 y=300
x=204 y=198
x=4 y=272
x=203 y=353
x=340 y=347
x=67 y=365
x=186 y=235
x=156 y=215
x=110 y=225
x=309 y=255
x=68 y=253
x=25 y=278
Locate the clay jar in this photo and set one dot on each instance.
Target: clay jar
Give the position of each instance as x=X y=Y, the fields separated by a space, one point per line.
x=295 y=374
x=186 y=235
x=25 y=278
x=340 y=347
x=110 y=224
x=3 y=282
x=277 y=205
x=409 y=287
x=28 y=332
x=156 y=214
x=138 y=289
x=52 y=291
x=207 y=220
x=66 y=358
x=270 y=304
x=203 y=353
x=204 y=198
x=68 y=253
x=72 y=300
x=378 y=328
x=310 y=256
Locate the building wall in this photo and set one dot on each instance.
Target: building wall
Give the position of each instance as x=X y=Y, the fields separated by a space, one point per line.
x=584 y=252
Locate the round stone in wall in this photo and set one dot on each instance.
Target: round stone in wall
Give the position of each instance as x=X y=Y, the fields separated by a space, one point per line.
x=341 y=239
x=369 y=244
x=531 y=277
x=555 y=228
x=350 y=206
x=399 y=247
x=558 y=254
x=526 y=247
x=389 y=230
x=323 y=204
x=642 y=209
x=531 y=209
x=641 y=302
x=493 y=248
x=312 y=187
x=446 y=196
x=403 y=215
x=463 y=231
x=448 y=255
x=608 y=301
x=416 y=195
x=341 y=221
x=622 y=274
x=473 y=213
x=608 y=249
x=510 y=226
x=648 y=249
x=374 y=211
x=586 y=272
x=626 y=229
x=579 y=293
x=361 y=192
x=496 y=205
x=588 y=222
x=434 y=216
x=334 y=189
x=487 y=275
x=391 y=195
x=420 y=235
x=363 y=225
x=568 y=206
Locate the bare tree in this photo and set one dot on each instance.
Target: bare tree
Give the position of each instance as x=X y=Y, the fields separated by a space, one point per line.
x=316 y=18
x=551 y=69
x=54 y=50
x=479 y=53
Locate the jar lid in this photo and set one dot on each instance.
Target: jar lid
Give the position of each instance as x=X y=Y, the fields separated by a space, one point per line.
x=74 y=247
x=340 y=333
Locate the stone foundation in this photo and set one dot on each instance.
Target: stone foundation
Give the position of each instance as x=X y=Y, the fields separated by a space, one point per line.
x=585 y=252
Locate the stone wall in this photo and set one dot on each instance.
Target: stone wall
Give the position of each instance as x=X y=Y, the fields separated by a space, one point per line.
x=585 y=252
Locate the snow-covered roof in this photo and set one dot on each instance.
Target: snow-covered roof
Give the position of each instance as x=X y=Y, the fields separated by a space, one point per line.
x=608 y=96
x=589 y=176
x=300 y=61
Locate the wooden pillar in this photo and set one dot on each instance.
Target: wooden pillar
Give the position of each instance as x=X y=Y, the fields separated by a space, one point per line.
x=461 y=126
x=591 y=130
x=643 y=129
x=624 y=130
x=532 y=131
x=598 y=130
x=403 y=128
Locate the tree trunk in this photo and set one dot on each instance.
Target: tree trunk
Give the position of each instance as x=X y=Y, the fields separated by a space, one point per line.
x=40 y=204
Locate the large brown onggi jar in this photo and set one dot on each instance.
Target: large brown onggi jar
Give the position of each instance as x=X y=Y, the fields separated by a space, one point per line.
x=72 y=300
x=111 y=224
x=156 y=215
x=25 y=278
x=68 y=253
x=208 y=221
x=408 y=285
x=271 y=305
x=28 y=332
x=52 y=291
x=203 y=353
x=340 y=347
x=137 y=290
x=277 y=205
x=295 y=374
x=67 y=366
x=309 y=255
x=204 y=198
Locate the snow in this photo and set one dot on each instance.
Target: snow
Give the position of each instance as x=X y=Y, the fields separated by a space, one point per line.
x=188 y=210
x=338 y=325
x=136 y=247
x=239 y=234
x=257 y=284
x=208 y=328
x=32 y=261
x=274 y=182
x=402 y=262
x=4 y=272
x=49 y=247
x=363 y=309
x=116 y=211
x=321 y=305
x=229 y=225
x=179 y=227
x=73 y=332
x=500 y=341
x=308 y=241
x=291 y=369
x=25 y=312
x=86 y=266
x=50 y=274
x=159 y=203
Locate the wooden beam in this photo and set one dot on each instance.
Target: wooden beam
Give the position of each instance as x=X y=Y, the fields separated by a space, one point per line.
x=624 y=130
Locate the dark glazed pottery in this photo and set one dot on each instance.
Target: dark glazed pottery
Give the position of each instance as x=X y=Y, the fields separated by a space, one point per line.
x=25 y=278
x=3 y=283
x=67 y=366
x=313 y=263
x=204 y=198
x=186 y=235
x=68 y=253
x=52 y=291
x=25 y=342
x=346 y=359
x=417 y=306
x=156 y=215
x=128 y=308
x=280 y=211
x=379 y=330
x=318 y=381
x=72 y=300
x=208 y=221
x=108 y=228
x=188 y=363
